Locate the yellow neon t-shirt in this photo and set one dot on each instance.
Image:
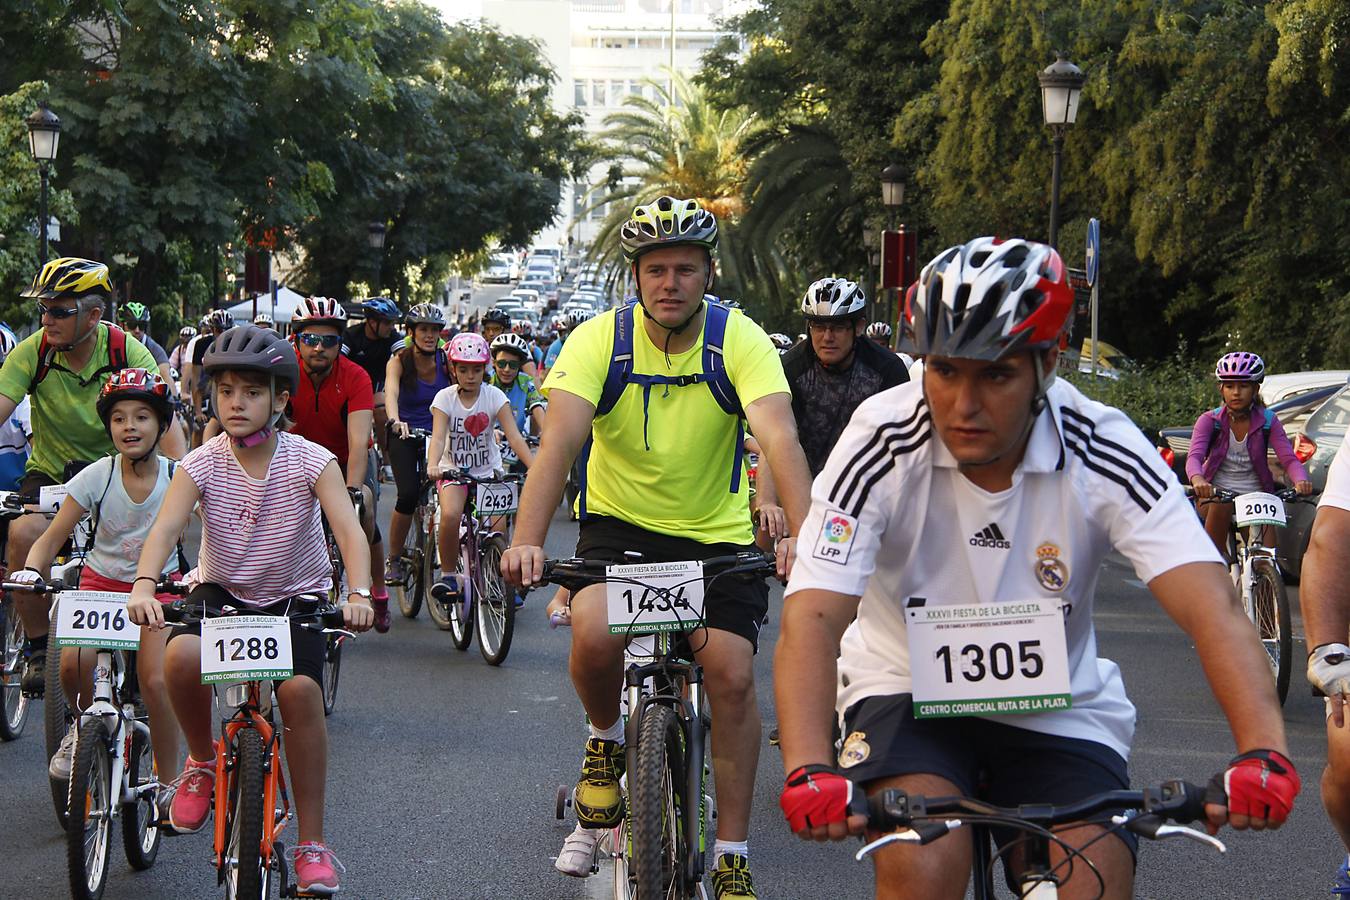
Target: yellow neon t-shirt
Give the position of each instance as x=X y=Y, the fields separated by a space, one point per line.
x=677 y=482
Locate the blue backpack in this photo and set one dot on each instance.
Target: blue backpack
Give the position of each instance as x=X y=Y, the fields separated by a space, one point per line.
x=714 y=375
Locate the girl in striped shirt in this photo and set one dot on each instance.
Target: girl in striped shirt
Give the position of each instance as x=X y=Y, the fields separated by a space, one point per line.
x=261 y=492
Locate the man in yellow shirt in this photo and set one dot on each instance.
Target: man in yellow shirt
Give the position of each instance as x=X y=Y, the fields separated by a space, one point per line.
x=664 y=477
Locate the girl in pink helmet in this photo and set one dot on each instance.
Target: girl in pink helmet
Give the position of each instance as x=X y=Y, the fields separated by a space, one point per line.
x=1229 y=444
x=464 y=419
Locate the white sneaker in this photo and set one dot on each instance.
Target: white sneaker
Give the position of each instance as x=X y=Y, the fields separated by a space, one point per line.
x=63 y=760
x=577 y=857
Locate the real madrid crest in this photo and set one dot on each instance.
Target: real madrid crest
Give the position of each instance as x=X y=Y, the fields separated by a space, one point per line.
x=1050 y=570
x=855 y=750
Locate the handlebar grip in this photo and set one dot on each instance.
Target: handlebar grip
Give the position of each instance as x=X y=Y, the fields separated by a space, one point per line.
x=175 y=611
x=332 y=618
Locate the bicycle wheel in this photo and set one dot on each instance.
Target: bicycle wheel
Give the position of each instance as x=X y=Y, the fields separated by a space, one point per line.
x=620 y=849
x=658 y=808
x=461 y=611
x=438 y=610
x=89 y=829
x=408 y=594
x=1270 y=613
x=332 y=668
x=245 y=876
x=57 y=717
x=13 y=704
x=496 y=604
x=140 y=836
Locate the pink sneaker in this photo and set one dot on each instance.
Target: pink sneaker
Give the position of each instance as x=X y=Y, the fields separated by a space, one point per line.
x=381 y=607
x=316 y=869
x=193 y=792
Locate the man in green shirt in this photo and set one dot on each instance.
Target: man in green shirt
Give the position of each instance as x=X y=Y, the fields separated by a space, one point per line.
x=63 y=390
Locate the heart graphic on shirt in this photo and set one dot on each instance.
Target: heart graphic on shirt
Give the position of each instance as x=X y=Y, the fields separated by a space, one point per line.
x=476 y=424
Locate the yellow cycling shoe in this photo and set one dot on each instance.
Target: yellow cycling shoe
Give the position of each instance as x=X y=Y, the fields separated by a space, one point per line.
x=599 y=801
x=731 y=878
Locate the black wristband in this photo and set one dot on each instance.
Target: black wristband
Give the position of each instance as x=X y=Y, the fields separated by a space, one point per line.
x=144 y=578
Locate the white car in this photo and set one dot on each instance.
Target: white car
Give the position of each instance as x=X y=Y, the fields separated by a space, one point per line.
x=1281 y=387
x=529 y=298
x=502 y=269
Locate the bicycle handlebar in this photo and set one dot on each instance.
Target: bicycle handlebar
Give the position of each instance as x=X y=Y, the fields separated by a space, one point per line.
x=325 y=617
x=575 y=572
x=462 y=477
x=1287 y=494
x=913 y=818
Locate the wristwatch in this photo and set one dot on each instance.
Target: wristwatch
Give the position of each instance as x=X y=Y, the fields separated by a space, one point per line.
x=360 y=592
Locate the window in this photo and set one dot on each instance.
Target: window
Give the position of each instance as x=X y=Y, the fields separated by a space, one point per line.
x=597 y=93
x=579 y=92
x=616 y=93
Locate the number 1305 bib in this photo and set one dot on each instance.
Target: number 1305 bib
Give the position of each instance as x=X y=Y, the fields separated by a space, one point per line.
x=987 y=659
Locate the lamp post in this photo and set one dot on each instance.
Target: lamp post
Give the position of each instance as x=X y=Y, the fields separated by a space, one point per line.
x=869 y=241
x=375 y=235
x=1061 y=83
x=44 y=136
x=892 y=196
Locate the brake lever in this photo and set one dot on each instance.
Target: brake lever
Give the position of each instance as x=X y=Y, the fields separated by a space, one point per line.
x=1157 y=829
x=919 y=834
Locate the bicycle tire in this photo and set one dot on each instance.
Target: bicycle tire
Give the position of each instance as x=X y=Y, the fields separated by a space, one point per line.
x=409 y=594
x=245 y=877
x=89 y=828
x=431 y=573
x=657 y=813
x=460 y=618
x=620 y=845
x=140 y=834
x=495 y=606
x=1271 y=615
x=332 y=670
x=13 y=704
x=56 y=721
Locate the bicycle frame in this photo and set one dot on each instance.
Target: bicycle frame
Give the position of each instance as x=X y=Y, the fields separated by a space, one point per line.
x=109 y=679
x=251 y=711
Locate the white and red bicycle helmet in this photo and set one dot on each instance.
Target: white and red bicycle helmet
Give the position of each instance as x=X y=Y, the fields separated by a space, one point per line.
x=318 y=311
x=468 y=347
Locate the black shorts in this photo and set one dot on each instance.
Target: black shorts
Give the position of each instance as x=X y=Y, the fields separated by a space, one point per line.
x=34 y=481
x=308 y=648
x=993 y=761
x=735 y=604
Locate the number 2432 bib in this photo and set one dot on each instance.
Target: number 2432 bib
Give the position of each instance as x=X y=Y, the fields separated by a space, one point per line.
x=987 y=659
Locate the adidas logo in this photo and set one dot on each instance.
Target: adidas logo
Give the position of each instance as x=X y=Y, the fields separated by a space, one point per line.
x=990 y=536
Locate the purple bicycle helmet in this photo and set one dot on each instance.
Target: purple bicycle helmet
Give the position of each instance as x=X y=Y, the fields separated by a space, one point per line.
x=1240 y=366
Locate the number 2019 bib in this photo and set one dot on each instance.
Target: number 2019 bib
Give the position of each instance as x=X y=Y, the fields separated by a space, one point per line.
x=987 y=659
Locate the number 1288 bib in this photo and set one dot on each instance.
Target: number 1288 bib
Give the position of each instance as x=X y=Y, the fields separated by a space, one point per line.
x=246 y=648
x=986 y=659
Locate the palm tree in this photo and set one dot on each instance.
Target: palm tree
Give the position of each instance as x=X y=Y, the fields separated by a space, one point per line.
x=677 y=143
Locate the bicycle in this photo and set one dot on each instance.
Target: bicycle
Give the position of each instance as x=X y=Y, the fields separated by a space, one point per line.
x=248 y=853
x=332 y=656
x=485 y=598
x=419 y=547
x=916 y=819
x=113 y=774
x=659 y=847
x=1256 y=573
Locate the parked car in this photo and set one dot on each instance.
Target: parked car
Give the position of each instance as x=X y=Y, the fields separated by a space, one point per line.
x=502 y=269
x=1316 y=422
x=1281 y=387
x=545 y=285
x=528 y=297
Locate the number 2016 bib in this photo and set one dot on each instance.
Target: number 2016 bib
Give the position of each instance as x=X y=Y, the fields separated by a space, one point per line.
x=987 y=659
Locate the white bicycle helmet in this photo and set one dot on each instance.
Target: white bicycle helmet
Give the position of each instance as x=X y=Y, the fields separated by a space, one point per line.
x=318 y=311
x=833 y=298
x=879 y=331
x=781 y=341
x=513 y=342
x=577 y=316
x=263 y=320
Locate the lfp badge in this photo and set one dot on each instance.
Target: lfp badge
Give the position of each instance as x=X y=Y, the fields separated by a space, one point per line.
x=836 y=537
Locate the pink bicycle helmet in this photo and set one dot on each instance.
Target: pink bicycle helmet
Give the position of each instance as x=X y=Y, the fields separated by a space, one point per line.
x=469 y=348
x=1240 y=366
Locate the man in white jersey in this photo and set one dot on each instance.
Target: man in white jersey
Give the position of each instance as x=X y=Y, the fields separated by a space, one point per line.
x=987 y=492
x=1324 y=594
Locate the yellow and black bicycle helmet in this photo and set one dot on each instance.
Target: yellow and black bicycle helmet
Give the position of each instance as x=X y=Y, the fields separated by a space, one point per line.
x=70 y=276
x=665 y=222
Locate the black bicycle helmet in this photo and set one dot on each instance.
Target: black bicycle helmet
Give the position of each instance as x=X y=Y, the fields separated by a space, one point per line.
x=497 y=317
x=254 y=349
x=425 y=314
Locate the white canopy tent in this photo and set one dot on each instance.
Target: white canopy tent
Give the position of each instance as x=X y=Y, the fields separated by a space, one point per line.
x=287 y=301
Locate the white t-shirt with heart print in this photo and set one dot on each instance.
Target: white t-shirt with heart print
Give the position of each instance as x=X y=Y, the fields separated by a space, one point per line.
x=470 y=444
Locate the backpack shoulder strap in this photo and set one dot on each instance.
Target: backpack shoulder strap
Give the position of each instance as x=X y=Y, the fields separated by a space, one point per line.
x=620 y=359
x=117 y=348
x=714 y=359
x=45 y=353
x=1270 y=419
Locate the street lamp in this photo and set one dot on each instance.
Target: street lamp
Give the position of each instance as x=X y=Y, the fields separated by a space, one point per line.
x=44 y=136
x=892 y=196
x=375 y=235
x=1061 y=83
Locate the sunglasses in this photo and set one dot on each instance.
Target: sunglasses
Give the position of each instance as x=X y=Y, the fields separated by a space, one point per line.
x=57 y=312
x=507 y=364
x=327 y=341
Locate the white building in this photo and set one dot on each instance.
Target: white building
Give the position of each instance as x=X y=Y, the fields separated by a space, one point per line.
x=603 y=50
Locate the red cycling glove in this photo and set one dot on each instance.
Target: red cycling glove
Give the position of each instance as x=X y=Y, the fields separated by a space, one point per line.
x=1261 y=784
x=815 y=795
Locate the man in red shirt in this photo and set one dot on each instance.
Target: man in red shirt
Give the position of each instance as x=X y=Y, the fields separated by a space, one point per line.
x=334 y=407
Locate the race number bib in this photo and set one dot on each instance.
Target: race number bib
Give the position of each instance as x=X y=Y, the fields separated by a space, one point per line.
x=246 y=648
x=987 y=659
x=497 y=498
x=50 y=497
x=1257 y=508
x=95 y=619
x=665 y=597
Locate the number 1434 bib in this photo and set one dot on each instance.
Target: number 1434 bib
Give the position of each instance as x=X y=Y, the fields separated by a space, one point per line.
x=987 y=659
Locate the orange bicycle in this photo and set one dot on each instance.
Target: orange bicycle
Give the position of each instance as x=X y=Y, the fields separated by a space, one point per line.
x=252 y=806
